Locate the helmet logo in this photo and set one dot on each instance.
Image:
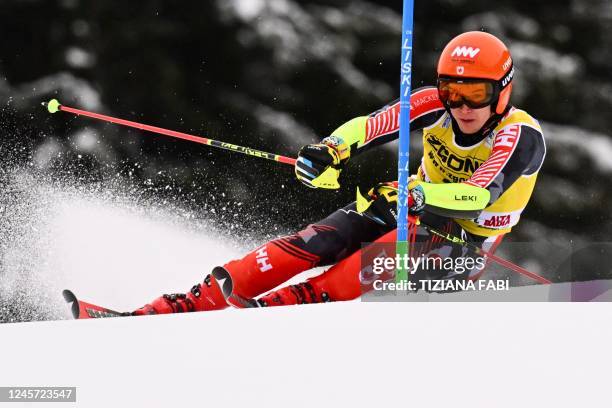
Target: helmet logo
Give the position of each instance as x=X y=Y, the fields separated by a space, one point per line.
x=508 y=78
x=460 y=70
x=507 y=64
x=465 y=52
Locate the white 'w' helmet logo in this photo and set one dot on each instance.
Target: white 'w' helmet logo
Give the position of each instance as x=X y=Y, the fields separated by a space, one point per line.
x=465 y=52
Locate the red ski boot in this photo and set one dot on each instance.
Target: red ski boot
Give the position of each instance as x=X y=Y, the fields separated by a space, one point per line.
x=201 y=297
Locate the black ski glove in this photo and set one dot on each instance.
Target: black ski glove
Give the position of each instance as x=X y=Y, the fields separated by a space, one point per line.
x=381 y=203
x=319 y=165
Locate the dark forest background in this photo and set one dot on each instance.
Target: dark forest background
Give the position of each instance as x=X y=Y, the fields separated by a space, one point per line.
x=277 y=74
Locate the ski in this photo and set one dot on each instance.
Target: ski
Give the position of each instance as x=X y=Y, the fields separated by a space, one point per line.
x=84 y=310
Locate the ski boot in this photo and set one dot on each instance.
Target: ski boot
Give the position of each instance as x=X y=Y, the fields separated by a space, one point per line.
x=202 y=297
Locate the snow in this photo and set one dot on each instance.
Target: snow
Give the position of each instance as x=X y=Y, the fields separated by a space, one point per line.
x=359 y=354
x=79 y=58
x=549 y=63
x=297 y=38
x=522 y=25
x=69 y=86
x=86 y=140
x=248 y=9
x=286 y=125
x=344 y=354
x=106 y=243
x=596 y=147
x=46 y=152
x=153 y=253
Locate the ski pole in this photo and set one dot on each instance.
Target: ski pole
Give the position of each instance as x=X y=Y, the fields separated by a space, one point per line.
x=482 y=252
x=53 y=106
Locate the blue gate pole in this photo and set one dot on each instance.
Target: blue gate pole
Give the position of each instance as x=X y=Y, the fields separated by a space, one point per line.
x=403 y=169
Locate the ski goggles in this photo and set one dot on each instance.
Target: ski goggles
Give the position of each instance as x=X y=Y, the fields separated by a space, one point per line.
x=475 y=94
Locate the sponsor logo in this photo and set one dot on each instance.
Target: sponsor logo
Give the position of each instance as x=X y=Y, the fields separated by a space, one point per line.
x=466 y=165
x=507 y=64
x=263 y=261
x=94 y=314
x=507 y=137
x=460 y=70
x=465 y=198
x=466 y=52
x=508 y=78
x=246 y=150
x=406 y=66
x=423 y=100
x=497 y=221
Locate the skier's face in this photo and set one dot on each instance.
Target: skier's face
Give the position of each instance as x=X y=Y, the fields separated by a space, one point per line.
x=471 y=120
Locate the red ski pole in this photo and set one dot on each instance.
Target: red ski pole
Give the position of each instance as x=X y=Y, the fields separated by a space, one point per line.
x=53 y=106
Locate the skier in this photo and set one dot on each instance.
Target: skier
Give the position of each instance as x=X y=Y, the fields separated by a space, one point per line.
x=472 y=136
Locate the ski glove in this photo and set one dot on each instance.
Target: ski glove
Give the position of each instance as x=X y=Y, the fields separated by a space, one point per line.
x=319 y=165
x=381 y=203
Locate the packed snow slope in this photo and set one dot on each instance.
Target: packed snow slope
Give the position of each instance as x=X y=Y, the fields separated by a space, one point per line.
x=344 y=354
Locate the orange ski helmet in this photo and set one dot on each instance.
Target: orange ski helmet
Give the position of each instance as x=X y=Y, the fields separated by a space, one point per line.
x=478 y=55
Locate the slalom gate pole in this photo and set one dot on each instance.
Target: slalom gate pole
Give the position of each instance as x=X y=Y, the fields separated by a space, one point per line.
x=53 y=106
x=479 y=251
x=403 y=168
